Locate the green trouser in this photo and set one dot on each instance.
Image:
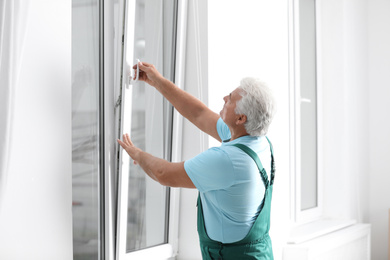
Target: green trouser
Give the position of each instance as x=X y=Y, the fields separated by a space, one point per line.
x=257 y=243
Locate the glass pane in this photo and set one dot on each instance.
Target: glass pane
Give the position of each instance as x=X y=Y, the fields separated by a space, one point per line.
x=308 y=104
x=85 y=153
x=147 y=213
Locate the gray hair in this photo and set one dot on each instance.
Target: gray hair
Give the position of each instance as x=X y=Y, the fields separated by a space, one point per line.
x=258 y=104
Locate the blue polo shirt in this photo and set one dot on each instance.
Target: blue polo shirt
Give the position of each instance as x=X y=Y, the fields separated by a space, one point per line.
x=230 y=185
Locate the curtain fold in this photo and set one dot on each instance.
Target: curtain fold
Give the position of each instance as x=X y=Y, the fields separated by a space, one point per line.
x=13 y=28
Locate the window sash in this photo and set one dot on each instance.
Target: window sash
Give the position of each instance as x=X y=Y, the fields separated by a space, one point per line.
x=172 y=136
x=297 y=99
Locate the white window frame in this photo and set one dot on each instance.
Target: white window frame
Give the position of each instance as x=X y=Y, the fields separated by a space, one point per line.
x=297 y=215
x=170 y=249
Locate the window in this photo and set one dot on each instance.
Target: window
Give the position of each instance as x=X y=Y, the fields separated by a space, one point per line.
x=305 y=123
x=146 y=210
x=85 y=130
x=144 y=206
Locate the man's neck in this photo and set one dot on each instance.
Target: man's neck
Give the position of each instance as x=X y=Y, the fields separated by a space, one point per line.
x=237 y=132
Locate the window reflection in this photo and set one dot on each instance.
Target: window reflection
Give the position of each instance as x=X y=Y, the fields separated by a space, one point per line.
x=85 y=155
x=308 y=104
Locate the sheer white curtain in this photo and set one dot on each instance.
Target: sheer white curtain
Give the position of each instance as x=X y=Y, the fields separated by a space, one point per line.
x=13 y=27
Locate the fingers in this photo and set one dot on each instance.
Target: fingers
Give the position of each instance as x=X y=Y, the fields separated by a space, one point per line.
x=142 y=65
x=144 y=68
x=126 y=141
x=128 y=146
x=126 y=138
x=145 y=64
x=121 y=143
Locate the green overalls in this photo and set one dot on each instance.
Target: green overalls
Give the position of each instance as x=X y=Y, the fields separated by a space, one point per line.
x=257 y=243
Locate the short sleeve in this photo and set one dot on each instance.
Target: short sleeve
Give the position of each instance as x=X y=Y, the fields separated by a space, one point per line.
x=223 y=130
x=210 y=170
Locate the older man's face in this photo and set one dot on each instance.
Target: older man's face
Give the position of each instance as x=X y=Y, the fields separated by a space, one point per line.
x=227 y=113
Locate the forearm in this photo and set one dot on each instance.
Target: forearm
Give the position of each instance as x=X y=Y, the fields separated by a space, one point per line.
x=152 y=166
x=186 y=104
x=166 y=173
x=160 y=170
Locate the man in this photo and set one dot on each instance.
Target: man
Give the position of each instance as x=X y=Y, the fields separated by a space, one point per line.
x=234 y=188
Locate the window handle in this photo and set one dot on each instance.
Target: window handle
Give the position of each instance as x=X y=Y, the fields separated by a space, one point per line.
x=136 y=74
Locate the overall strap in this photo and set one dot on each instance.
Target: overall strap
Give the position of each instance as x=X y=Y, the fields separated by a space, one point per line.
x=254 y=156
x=272 y=162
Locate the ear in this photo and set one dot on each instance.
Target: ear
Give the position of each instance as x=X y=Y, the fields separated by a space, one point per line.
x=241 y=119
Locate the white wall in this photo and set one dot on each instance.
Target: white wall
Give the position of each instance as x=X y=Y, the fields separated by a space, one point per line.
x=356 y=62
x=36 y=210
x=379 y=124
x=344 y=80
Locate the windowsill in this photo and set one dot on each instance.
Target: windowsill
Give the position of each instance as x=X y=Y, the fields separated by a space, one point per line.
x=308 y=231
